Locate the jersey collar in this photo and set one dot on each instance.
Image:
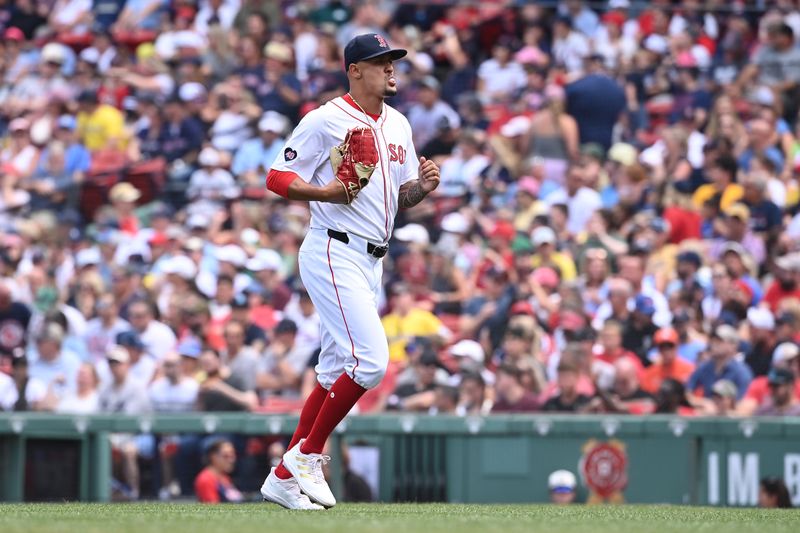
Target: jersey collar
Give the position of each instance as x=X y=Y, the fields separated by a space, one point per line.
x=349 y=99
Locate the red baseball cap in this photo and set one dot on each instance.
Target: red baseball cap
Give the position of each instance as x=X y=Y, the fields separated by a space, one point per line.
x=522 y=307
x=666 y=335
x=13 y=34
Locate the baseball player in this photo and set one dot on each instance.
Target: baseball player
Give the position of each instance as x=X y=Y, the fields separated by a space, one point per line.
x=354 y=161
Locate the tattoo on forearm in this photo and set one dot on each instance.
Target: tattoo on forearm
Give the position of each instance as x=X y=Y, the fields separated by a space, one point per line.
x=411 y=194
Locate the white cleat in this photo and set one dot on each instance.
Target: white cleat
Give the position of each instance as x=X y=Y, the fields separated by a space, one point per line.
x=286 y=493
x=307 y=470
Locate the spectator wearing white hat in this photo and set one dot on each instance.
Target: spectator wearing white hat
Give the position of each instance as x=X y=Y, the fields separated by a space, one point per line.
x=34 y=91
x=267 y=268
x=762 y=339
x=425 y=116
x=157 y=337
x=255 y=156
x=54 y=366
x=123 y=198
x=562 y=484
x=279 y=90
x=211 y=184
x=471 y=358
x=787 y=357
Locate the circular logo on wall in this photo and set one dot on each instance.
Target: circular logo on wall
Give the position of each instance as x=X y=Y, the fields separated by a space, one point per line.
x=604 y=466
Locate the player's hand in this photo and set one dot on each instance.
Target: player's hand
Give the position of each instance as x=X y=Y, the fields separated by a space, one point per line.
x=428 y=174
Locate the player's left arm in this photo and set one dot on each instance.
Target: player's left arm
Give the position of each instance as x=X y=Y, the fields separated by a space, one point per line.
x=414 y=191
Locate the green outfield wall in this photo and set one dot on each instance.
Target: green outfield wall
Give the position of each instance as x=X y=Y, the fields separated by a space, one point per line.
x=654 y=459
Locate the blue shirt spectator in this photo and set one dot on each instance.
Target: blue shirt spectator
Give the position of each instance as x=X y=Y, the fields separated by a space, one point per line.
x=722 y=364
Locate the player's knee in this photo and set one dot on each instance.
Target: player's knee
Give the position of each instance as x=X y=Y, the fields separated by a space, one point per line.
x=370 y=375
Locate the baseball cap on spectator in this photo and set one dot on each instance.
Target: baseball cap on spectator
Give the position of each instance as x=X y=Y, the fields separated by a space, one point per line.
x=657 y=44
x=286 y=326
x=522 y=307
x=13 y=34
x=117 y=354
x=659 y=225
x=19 y=124
x=413 y=233
x=528 y=185
x=240 y=302
x=197 y=221
x=369 y=46
x=193 y=244
x=89 y=55
x=760 y=318
x=54 y=53
x=87 y=257
x=593 y=150
x=738 y=210
x=158 y=239
x=469 y=349
x=190 y=348
x=191 y=91
x=274 y=122
x=725 y=388
x=522 y=244
x=429 y=82
x=130 y=339
x=547 y=277
x=209 y=157
x=666 y=336
x=67 y=122
x=561 y=481
x=690 y=256
x=733 y=247
x=278 y=51
x=124 y=192
x=51 y=332
x=231 y=253
x=503 y=229
x=181 y=266
x=784 y=352
x=764 y=96
x=644 y=304
x=780 y=376
x=265 y=259
x=455 y=223
x=543 y=235
x=429 y=358
x=727 y=333
x=790 y=262
x=622 y=153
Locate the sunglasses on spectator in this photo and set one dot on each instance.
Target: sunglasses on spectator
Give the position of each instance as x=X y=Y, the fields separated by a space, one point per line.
x=666 y=346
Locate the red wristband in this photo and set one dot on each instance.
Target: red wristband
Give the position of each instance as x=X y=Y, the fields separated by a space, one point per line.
x=278 y=181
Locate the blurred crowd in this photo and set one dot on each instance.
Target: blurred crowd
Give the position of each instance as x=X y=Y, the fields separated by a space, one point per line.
x=617 y=229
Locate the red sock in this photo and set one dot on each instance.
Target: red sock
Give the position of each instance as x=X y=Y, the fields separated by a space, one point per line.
x=307 y=416
x=342 y=397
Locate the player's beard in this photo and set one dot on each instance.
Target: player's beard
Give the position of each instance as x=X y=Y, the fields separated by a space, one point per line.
x=389 y=92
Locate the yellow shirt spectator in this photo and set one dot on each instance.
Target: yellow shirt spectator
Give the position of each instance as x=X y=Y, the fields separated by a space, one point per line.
x=405 y=323
x=100 y=127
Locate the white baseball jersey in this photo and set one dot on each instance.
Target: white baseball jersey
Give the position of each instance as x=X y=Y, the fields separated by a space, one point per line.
x=342 y=279
x=307 y=154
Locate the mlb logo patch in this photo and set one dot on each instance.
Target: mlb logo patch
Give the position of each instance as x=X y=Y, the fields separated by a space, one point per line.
x=381 y=41
x=289 y=154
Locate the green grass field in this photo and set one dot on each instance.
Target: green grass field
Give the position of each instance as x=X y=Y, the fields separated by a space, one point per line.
x=407 y=518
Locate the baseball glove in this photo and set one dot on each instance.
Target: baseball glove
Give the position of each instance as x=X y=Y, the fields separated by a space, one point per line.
x=354 y=160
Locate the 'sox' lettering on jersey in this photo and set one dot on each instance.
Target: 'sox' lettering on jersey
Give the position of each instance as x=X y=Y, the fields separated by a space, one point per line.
x=397 y=153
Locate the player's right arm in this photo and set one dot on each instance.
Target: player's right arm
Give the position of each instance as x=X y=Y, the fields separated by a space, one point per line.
x=294 y=168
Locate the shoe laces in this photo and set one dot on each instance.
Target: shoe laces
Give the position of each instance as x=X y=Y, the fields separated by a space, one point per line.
x=317 y=460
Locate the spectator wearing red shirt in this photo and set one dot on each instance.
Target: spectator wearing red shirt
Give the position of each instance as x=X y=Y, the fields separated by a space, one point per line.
x=213 y=484
x=668 y=365
x=511 y=395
